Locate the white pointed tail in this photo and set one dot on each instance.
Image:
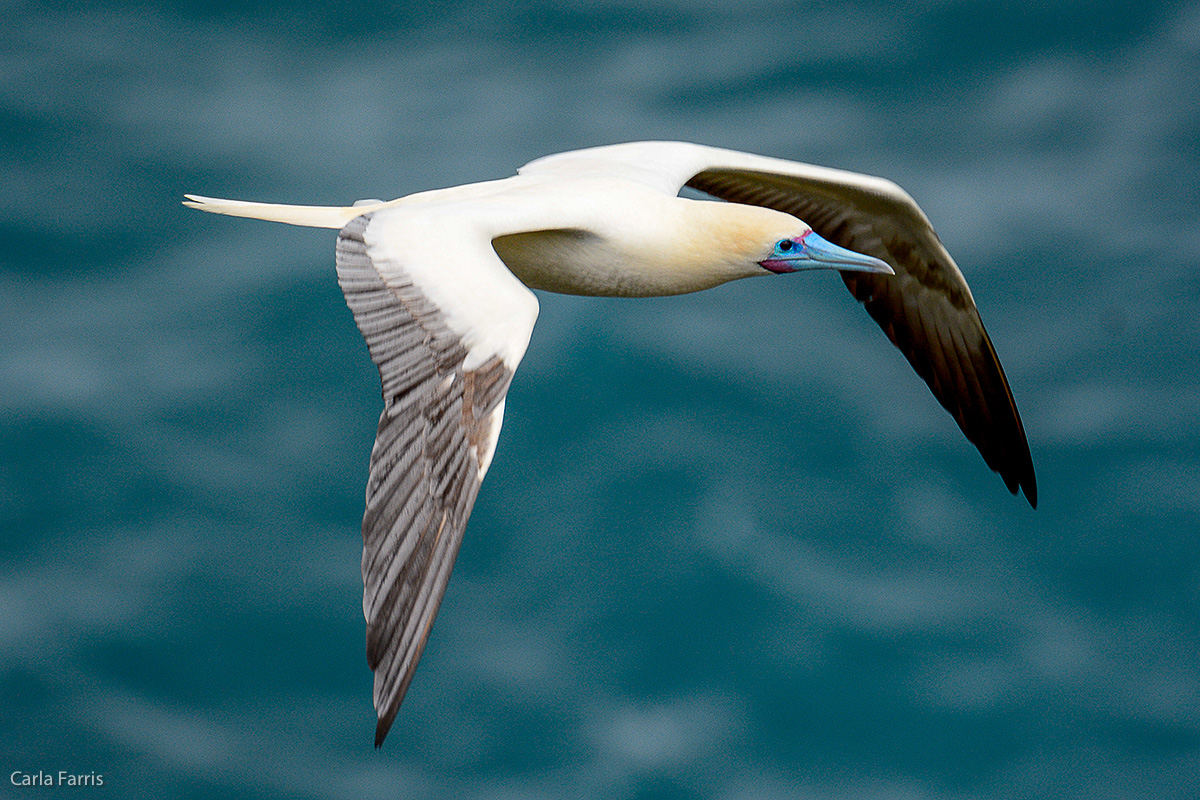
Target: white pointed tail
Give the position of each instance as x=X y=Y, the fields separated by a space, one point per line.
x=309 y=216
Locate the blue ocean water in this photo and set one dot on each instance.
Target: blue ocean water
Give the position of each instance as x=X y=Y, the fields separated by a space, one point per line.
x=730 y=546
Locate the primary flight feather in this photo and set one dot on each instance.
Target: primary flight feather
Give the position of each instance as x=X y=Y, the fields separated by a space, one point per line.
x=437 y=282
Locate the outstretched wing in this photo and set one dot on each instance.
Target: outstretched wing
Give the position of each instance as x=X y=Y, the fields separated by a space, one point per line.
x=444 y=382
x=926 y=308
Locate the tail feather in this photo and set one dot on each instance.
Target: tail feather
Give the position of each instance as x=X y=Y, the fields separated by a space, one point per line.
x=309 y=216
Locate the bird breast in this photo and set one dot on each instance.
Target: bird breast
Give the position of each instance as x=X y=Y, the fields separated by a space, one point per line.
x=581 y=262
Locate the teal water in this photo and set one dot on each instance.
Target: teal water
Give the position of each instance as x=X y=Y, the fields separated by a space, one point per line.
x=730 y=547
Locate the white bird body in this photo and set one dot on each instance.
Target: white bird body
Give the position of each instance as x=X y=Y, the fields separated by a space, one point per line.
x=439 y=284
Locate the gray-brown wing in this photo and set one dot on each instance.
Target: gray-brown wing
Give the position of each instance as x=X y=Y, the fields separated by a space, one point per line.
x=926 y=309
x=438 y=424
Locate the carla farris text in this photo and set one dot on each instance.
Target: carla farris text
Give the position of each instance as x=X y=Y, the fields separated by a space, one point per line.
x=60 y=778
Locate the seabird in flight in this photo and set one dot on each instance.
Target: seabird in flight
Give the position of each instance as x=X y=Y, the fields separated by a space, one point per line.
x=439 y=284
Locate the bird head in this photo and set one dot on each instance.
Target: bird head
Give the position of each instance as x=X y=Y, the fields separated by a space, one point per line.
x=710 y=243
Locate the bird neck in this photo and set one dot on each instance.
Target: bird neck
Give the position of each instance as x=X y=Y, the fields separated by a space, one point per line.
x=677 y=246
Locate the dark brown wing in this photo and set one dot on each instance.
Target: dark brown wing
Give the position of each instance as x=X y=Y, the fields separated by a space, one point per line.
x=926 y=308
x=435 y=435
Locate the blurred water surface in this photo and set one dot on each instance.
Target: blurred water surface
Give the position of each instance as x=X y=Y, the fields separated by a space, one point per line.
x=730 y=547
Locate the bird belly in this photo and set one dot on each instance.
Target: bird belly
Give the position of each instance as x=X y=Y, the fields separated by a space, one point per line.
x=576 y=261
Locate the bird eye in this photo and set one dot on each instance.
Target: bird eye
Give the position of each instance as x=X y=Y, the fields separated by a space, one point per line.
x=784 y=245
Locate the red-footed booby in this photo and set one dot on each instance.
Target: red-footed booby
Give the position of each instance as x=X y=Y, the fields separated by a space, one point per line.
x=439 y=284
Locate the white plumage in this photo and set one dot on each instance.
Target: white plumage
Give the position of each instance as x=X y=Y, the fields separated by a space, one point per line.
x=437 y=282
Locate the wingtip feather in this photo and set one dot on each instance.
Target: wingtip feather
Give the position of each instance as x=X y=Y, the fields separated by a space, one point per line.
x=1029 y=485
x=381 y=730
